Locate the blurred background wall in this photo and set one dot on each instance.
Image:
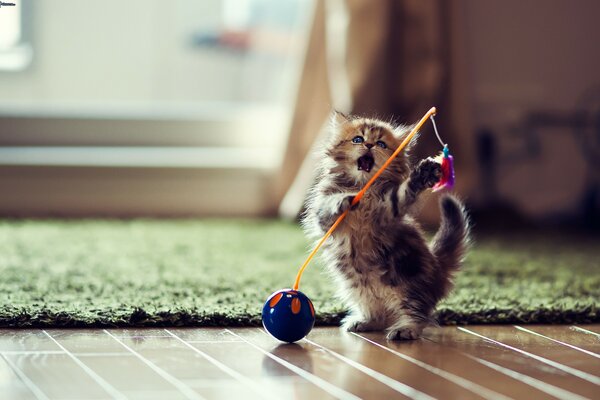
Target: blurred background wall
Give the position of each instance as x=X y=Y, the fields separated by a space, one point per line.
x=534 y=90
x=212 y=107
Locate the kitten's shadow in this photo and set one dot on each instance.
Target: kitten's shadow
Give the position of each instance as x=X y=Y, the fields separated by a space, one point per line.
x=290 y=352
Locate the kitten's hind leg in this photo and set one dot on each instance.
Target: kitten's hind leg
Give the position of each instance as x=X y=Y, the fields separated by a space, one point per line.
x=405 y=328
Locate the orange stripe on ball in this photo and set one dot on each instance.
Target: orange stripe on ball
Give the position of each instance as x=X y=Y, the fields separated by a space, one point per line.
x=296 y=305
x=312 y=309
x=275 y=300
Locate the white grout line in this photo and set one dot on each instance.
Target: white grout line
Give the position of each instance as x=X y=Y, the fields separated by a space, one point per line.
x=113 y=354
x=33 y=352
x=460 y=381
x=229 y=371
x=140 y=336
x=590 y=353
x=315 y=380
x=575 y=372
x=386 y=380
x=580 y=329
x=214 y=341
x=526 y=379
x=535 y=383
x=37 y=392
x=182 y=387
x=114 y=393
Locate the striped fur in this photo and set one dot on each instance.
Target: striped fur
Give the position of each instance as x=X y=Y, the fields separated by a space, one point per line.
x=387 y=273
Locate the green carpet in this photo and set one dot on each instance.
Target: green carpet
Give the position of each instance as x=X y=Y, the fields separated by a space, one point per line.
x=219 y=272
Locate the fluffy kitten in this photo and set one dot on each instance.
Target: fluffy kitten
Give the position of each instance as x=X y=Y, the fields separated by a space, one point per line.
x=388 y=274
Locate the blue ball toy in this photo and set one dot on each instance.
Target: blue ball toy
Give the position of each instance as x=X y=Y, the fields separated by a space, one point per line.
x=288 y=315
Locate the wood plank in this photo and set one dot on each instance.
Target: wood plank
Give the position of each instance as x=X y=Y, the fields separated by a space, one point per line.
x=291 y=361
x=219 y=390
x=542 y=347
x=14 y=387
x=58 y=376
x=175 y=358
x=144 y=332
x=565 y=336
x=318 y=363
x=476 y=347
x=390 y=365
x=444 y=357
x=25 y=340
x=216 y=363
x=131 y=377
x=86 y=341
x=204 y=334
x=194 y=369
x=273 y=379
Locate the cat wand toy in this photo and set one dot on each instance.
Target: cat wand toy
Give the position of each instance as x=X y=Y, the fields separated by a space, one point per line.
x=288 y=314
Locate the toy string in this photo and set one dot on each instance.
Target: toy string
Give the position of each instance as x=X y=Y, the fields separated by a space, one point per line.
x=436 y=131
x=432 y=111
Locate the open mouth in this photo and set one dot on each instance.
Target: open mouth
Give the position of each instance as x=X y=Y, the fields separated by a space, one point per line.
x=365 y=163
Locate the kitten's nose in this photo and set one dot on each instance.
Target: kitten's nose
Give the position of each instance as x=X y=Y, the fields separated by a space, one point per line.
x=369 y=145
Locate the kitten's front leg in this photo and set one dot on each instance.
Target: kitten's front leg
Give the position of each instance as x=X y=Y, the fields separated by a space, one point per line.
x=356 y=323
x=331 y=207
x=361 y=319
x=426 y=174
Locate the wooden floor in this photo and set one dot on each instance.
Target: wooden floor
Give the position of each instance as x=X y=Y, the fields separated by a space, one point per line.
x=474 y=362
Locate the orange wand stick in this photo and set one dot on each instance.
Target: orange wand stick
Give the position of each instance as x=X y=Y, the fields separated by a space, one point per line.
x=360 y=194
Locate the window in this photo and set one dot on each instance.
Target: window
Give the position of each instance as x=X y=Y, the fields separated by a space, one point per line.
x=15 y=52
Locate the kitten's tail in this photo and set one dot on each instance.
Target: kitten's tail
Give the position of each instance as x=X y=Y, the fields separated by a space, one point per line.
x=451 y=241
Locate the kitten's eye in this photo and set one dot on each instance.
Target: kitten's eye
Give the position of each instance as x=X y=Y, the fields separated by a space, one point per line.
x=358 y=140
x=381 y=144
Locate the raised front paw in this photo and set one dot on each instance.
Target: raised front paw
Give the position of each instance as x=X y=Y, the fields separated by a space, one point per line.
x=427 y=173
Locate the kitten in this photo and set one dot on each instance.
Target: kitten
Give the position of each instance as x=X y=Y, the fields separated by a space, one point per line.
x=388 y=274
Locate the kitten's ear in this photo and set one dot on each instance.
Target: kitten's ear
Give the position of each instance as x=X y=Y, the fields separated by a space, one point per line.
x=338 y=118
x=401 y=131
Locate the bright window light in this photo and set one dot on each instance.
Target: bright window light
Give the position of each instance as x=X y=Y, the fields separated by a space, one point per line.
x=10 y=27
x=15 y=55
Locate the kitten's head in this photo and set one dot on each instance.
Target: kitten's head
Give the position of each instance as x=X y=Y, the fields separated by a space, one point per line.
x=358 y=147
